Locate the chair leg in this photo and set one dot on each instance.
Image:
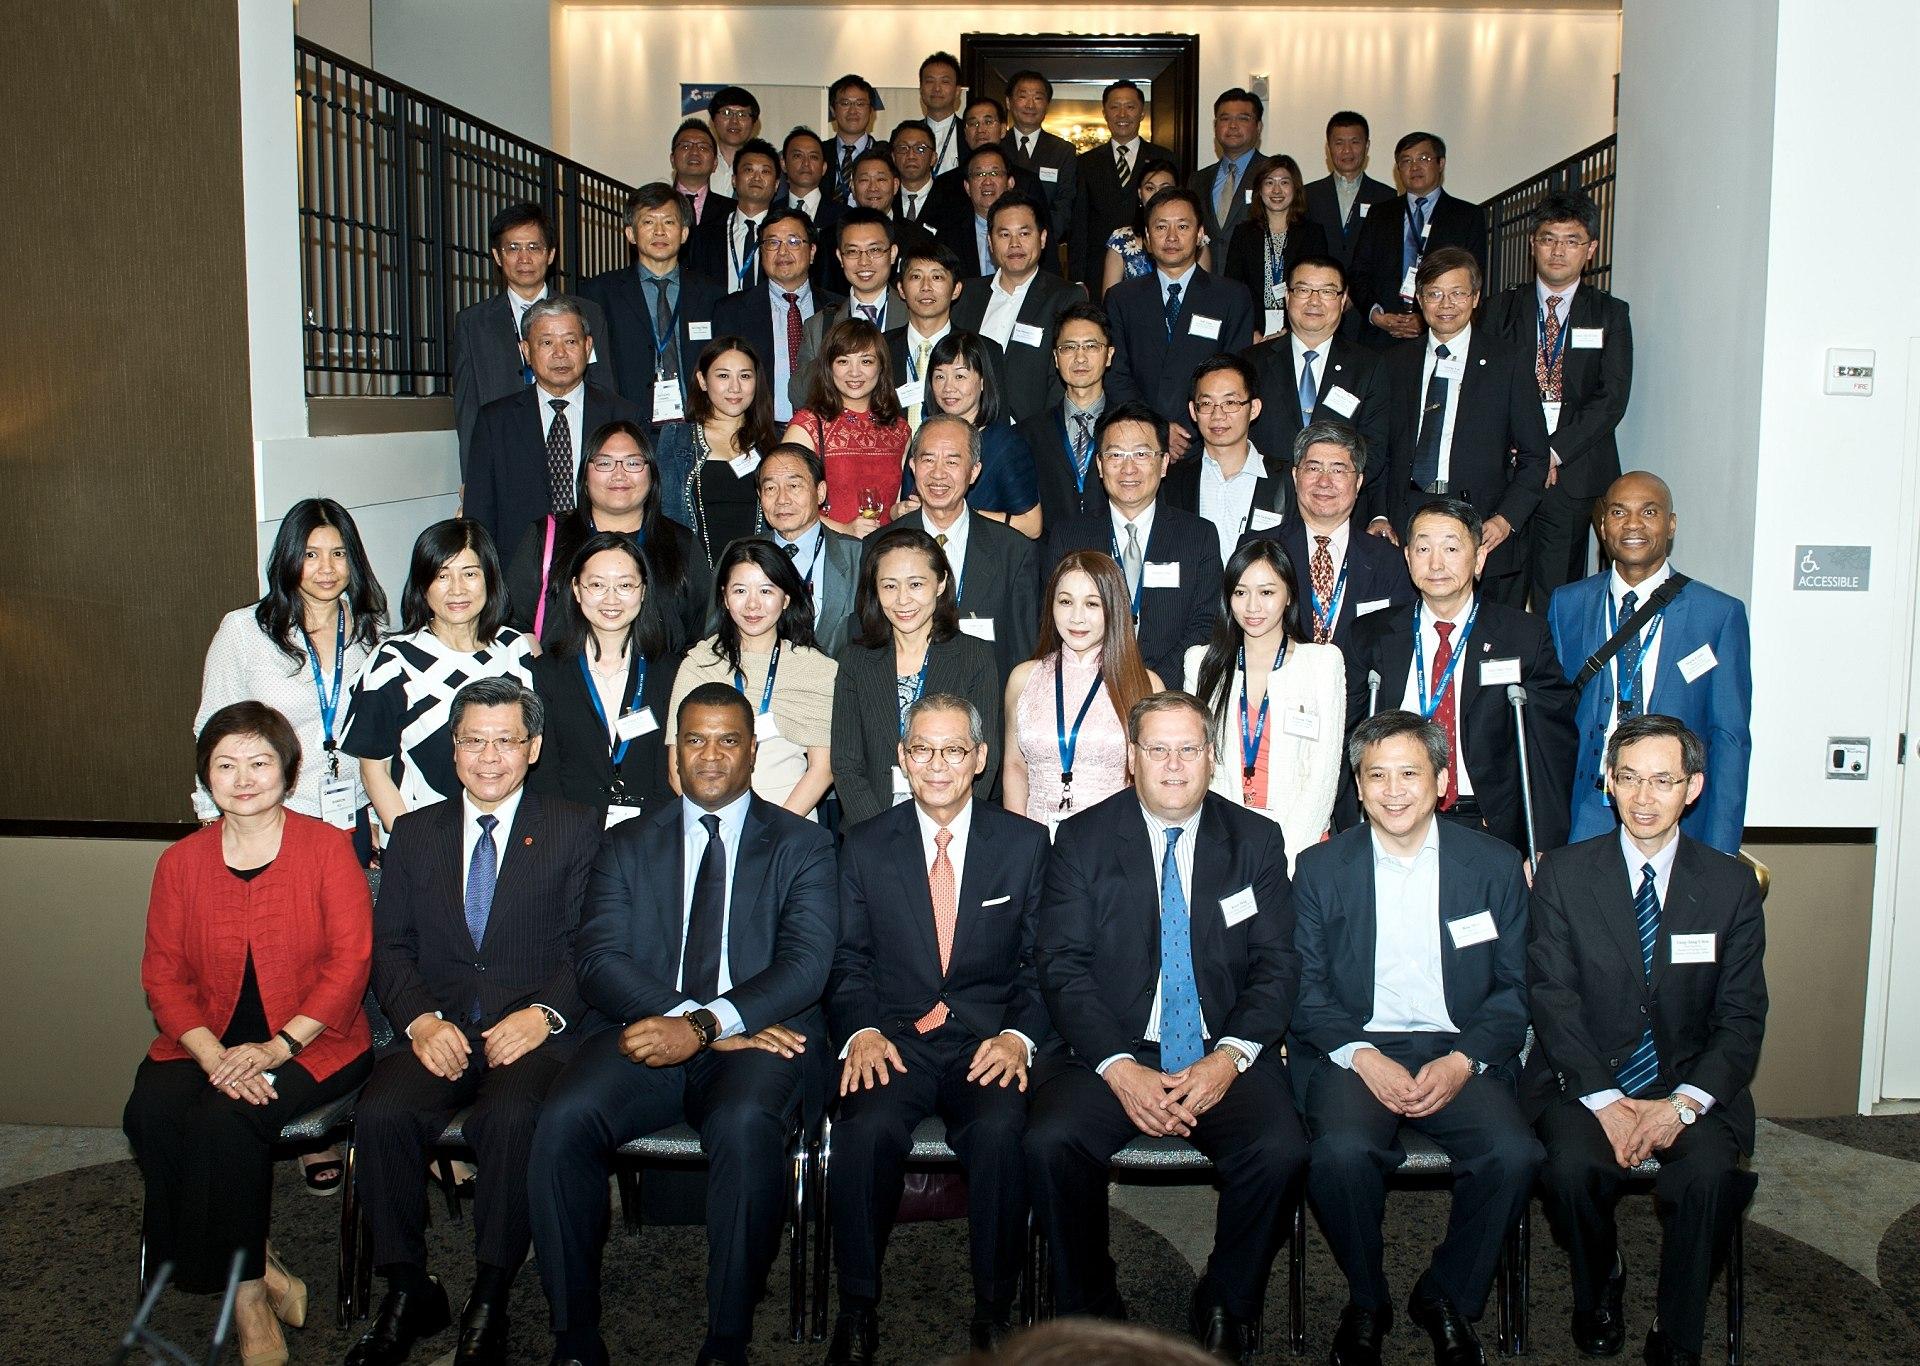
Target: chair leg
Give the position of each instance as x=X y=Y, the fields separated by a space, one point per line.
x=349 y=1236
x=1503 y=1301
x=1036 y=1271
x=1522 y=1285
x=140 y=1270
x=1029 y=1292
x=799 y=1168
x=1297 y=1279
x=822 y=1228
x=449 y=1186
x=1737 y=1293
x=628 y=1176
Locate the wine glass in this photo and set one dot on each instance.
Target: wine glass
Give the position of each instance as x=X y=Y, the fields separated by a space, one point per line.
x=870 y=503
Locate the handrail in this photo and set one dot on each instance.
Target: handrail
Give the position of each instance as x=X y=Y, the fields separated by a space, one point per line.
x=1509 y=251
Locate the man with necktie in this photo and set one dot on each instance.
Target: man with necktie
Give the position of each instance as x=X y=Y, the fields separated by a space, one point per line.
x=929 y=283
x=851 y=102
x=1226 y=188
x=1049 y=156
x=1106 y=183
x=1062 y=438
x=1399 y=234
x=1167 y=963
x=773 y=318
x=793 y=488
x=729 y=244
x=1340 y=201
x=865 y=250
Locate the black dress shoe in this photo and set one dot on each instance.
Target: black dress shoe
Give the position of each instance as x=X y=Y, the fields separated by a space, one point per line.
x=1356 y=1342
x=856 y=1338
x=1454 y=1341
x=1217 y=1331
x=483 y=1335
x=1602 y=1332
x=1661 y=1352
x=405 y=1317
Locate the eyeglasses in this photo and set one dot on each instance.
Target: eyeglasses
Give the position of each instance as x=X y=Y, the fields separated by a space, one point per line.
x=733 y=111
x=524 y=248
x=1416 y=159
x=1327 y=292
x=1571 y=241
x=690 y=145
x=985 y=173
x=1449 y=296
x=982 y=123
x=1626 y=780
x=607 y=464
x=600 y=588
x=796 y=242
x=913 y=149
x=1160 y=754
x=952 y=755
x=473 y=744
x=1082 y=348
x=1121 y=457
x=1229 y=406
x=1313 y=469
x=865 y=253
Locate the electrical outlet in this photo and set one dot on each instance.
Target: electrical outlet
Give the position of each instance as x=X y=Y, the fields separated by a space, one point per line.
x=1847 y=757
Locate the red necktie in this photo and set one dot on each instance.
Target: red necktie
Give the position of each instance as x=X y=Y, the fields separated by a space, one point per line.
x=1443 y=712
x=793 y=329
x=946 y=914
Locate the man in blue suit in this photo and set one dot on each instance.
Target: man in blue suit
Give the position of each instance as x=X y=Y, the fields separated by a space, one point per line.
x=1691 y=661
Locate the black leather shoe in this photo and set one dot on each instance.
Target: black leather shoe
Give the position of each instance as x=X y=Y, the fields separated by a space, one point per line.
x=1661 y=1352
x=483 y=1335
x=856 y=1338
x=1217 y=1331
x=1602 y=1332
x=1356 y=1342
x=1454 y=1341
x=404 y=1318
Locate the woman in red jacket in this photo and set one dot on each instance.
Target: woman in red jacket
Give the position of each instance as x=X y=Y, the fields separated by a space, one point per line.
x=259 y=931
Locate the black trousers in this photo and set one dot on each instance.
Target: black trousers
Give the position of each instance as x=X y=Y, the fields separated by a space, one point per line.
x=207 y=1163
x=1556 y=543
x=873 y=1133
x=1699 y=1195
x=1253 y=1137
x=1356 y=1145
x=404 y=1110
x=742 y=1102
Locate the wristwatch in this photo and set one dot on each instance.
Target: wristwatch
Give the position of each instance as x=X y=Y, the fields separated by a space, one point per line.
x=1686 y=1112
x=1241 y=1062
x=293 y=1045
x=554 y=1022
x=1474 y=1066
x=705 y=1024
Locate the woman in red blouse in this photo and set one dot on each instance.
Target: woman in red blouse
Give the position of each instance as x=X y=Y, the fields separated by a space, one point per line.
x=854 y=420
x=259 y=931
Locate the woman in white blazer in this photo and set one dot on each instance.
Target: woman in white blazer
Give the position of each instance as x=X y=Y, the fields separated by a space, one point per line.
x=1278 y=702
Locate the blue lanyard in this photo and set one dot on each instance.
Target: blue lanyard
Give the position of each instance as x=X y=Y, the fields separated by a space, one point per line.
x=660 y=344
x=619 y=752
x=766 y=690
x=1114 y=541
x=741 y=262
x=1068 y=742
x=330 y=707
x=1326 y=618
x=1250 y=740
x=1427 y=708
x=1631 y=688
x=919 y=689
x=1073 y=454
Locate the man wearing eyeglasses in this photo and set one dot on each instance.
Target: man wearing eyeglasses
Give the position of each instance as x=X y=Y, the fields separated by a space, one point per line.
x=1019 y=307
x=960 y=222
x=773 y=319
x=851 y=102
x=735 y=115
x=1231 y=486
x=935 y=1004
x=1166 y=960
x=864 y=255
x=480 y=897
x=1397 y=236
x=693 y=155
x=876 y=186
x=1649 y=1004
x=983 y=124
x=1062 y=438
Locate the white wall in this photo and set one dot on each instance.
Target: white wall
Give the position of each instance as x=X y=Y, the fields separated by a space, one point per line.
x=1511 y=92
x=488 y=58
x=342 y=26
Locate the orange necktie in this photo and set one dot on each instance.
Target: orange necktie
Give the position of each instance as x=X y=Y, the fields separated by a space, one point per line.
x=946 y=914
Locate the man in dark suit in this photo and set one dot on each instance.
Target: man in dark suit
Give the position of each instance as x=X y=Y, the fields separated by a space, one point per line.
x=1340 y=201
x=486 y=336
x=473 y=963
x=929 y=283
x=851 y=102
x=773 y=318
x=693 y=155
x=1314 y=374
x=1170 y=558
x=793 y=489
x=984 y=125
x=708 y=937
x=914 y=153
x=1050 y=157
x=1230 y=485
x=1018 y=308
x=1106 y=184
x=1398 y=235
x=1166 y=323
x=1464 y=422
x=526 y=446
x=658 y=298
x=803 y=164
x=940 y=87
x=1412 y=934
x=735 y=114
x=864 y=253
x=876 y=188
x=1583 y=368
x=1649 y=1003
x=1226 y=187
x=1166 y=960
x=731 y=241
x=996 y=571
x=1062 y=438
x=960 y=222
x=934 y=997
x=1452 y=656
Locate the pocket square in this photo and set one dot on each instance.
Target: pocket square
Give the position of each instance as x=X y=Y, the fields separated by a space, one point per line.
x=996 y=901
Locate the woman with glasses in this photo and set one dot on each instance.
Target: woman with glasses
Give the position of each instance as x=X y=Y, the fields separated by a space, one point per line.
x=1278 y=702
x=961 y=379
x=605 y=681
x=1127 y=256
x=908 y=644
x=854 y=422
x=1067 y=706
x=620 y=489
x=763 y=644
x=708 y=463
x=1264 y=247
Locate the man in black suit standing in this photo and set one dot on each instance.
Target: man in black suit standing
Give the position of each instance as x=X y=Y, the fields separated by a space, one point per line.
x=1050 y=157
x=486 y=336
x=1226 y=187
x=693 y=155
x=1582 y=343
x=1166 y=323
x=1646 y=935
x=1464 y=422
x=803 y=164
x=1412 y=934
x=851 y=101
x=914 y=153
x=1018 y=307
x=1340 y=201
x=940 y=109
x=773 y=318
x=984 y=124
x=708 y=938
x=1166 y=959
x=1106 y=183
x=1170 y=558
x=735 y=114
x=929 y=283
x=526 y=446
x=864 y=254
x=1230 y=485
x=1452 y=656
x=732 y=240
x=960 y=221
x=1063 y=437
x=793 y=489
x=473 y=963
x=934 y=995
x=876 y=186
x=1398 y=235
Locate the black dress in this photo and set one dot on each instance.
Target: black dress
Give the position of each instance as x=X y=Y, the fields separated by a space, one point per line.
x=576 y=757
x=685 y=578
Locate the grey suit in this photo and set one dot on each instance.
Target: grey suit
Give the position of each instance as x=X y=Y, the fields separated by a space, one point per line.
x=814 y=331
x=486 y=360
x=1220 y=230
x=834 y=582
x=999 y=585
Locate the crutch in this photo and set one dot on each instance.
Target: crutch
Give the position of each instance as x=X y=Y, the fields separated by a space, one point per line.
x=1517 y=695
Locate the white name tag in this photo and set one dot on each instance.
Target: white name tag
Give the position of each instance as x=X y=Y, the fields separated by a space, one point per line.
x=1341 y=401
x=930 y=230
x=980 y=628
x=1028 y=335
x=765 y=726
x=1198 y=326
x=1693 y=948
x=1493 y=671
x=744 y=465
x=1263 y=519
x=1365 y=609
x=1240 y=906
x=1049 y=175
x=1406 y=285
x=699 y=331
x=1301 y=722
x=666 y=400
x=1551 y=412
x=910 y=393
x=1161 y=575
x=336 y=802
x=1589 y=338
x=1274 y=323
x=1453 y=367
x=616 y=814
x=1363 y=209
x=1469 y=930
x=901 y=792
x=1697 y=663
x=634 y=724
x=1249 y=196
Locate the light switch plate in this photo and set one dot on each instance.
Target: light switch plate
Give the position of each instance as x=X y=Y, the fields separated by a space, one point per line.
x=1847 y=757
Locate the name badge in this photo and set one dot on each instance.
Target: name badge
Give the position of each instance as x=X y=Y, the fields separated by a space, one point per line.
x=1301 y=722
x=699 y=331
x=1161 y=575
x=1453 y=367
x=930 y=230
x=1240 y=906
x=1697 y=663
x=666 y=400
x=1249 y=196
x=1473 y=929
x=1028 y=335
x=1495 y=671
x=634 y=724
x=1274 y=323
x=765 y=726
x=744 y=465
x=1589 y=338
x=617 y=814
x=1263 y=519
x=1198 y=326
x=1366 y=609
x=336 y=802
x=1406 y=285
x=1341 y=401
x=910 y=393
x=901 y=792
x=980 y=628
x=1049 y=174
x=1693 y=948
x=1551 y=412
x=1363 y=209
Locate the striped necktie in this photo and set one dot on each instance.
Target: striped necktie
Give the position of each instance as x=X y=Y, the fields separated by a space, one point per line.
x=1643 y=1068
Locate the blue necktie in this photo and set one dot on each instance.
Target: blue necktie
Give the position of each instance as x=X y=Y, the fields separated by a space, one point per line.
x=1173 y=307
x=482 y=872
x=1082 y=447
x=1416 y=229
x=1309 y=391
x=1628 y=700
x=1180 y=1038
x=1643 y=1068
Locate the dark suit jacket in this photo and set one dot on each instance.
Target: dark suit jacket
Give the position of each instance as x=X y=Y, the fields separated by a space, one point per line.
x=952 y=221
x=832 y=183
x=1099 y=949
x=1591 y=996
x=1101 y=204
x=783 y=916
x=826 y=224
x=886 y=971
x=905 y=235
x=1272 y=492
x=1378 y=257
x=1149 y=364
x=1342 y=365
x=1239 y=209
x=1337 y=926
x=707 y=243
x=1061 y=497
x=749 y=314
x=1323 y=207
x=423 y=954
x=1376 y=573
x=487 y=364
x=1594 y=382
x=507 y=472
x=866 y=717
x=1031 y=382
x=948 y=194
x=1490 y=754
x=1171 y=619
x=1050 y=153
x=893 y=313
x=629 y=309
x=1001 y=586
x=902 y=372
x=576 y=762
x=1246 y=257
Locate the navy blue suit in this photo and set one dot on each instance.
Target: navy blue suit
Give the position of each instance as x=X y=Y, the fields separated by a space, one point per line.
x=1151 y=363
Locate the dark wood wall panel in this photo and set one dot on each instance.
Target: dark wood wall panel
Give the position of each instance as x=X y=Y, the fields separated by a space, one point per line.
x=126 y=474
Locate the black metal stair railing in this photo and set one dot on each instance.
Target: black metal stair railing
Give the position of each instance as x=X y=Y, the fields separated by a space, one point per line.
x=1509 y=248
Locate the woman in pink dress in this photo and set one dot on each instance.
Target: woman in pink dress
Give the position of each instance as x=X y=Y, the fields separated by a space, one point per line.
x=854 y=420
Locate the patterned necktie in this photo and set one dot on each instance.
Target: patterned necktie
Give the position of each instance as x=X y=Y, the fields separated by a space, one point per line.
x=871 y=312
x=1130 y=560
x=922 y=348
x=946 y=915
x=482 y=871
x=1321 y=569
x=1628 y=701
x=1643 y=1068
x=1426 y=451
x=560 y=483
x=1082 y=446
x=1416 y=230
x=1223 y=194
x=793 y=329
x=1548 y=366
x=1172 y=307
x=1309 y=390
x=1120 y=164
x=1443 y=711
x=700 y=958
x=663 y=329
x=1181 y=1039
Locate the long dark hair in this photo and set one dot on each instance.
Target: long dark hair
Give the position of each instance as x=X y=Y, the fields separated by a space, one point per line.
x=435 y=546
x=1151 y=166
x=1222 y=658
x=795 y=626
x=280 y=613
x=666 y=564
x=647 y=633
x=967 y=348
x=875 y=629
x=757 y=432
x=1121 y=668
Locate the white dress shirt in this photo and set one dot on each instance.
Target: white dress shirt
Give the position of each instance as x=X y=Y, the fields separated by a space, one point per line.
x=1143 y=525
x=693 y=848
x=1410 y=699
x=470 y=839
x=1300 y=349
x=1456 y=350
x=810 y=201
x=576 y=410
x=946 y=142
x=1337 y=541
x=955 y=545
x=1133 y=154
x=1228 y=502
x=913 y=203
x=520 y=307
x=743 y=246
x=1003 y=307
x=1617 y=589
x=1409 y=987
x=809 y=552
x=1542 y=294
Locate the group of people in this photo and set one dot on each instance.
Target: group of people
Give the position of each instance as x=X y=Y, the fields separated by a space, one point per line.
x=1139 y=733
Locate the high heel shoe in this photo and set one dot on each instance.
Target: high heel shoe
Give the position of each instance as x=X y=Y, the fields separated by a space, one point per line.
x=274 y=1354
x=290 y=1305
